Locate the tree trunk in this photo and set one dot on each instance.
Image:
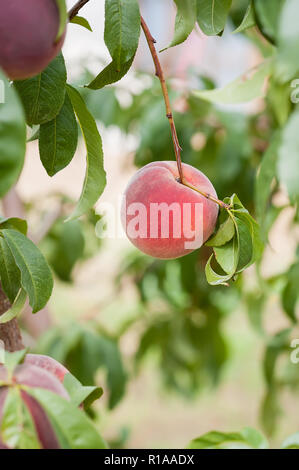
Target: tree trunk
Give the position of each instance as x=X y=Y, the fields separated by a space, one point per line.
x=10 y=332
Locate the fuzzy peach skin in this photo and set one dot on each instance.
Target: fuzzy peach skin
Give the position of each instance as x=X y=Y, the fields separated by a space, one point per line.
x=28 y=31
x=47 y=363
x=157 y=183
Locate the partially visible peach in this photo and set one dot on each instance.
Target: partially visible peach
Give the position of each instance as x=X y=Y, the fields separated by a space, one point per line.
x=158 y=183
x=28 y=31
x=33 y=376
x=47 y=363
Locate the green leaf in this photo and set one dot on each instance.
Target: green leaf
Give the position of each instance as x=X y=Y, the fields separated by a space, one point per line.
x=265 y=176
x=213 y=278
x=243 y=89
x=290 y=294
x=291 y=442
x=84 y=353
x=110 y=74
x=122 y=29
x=248 y=20
x=61 y=5
x=68 y=248
x=36 y=277
x=82 y=22
x=95 y=177
x=288 y=167
x=12 y=359
x=288 y=42
x=280 y=100
x=13 y=222
x=16 y=308
x=224 y=234
x=43 y=95
x=248 y=438
x=242 y=248
x=12 y=136
x=9 y=272
x=255 y=305
x=76 y=429
x=17 y=426
x=93 y=351
x=277 y=345
x=227 y=256
x=267 y=15
x=245 y=243
x=270 y=411
x=34 y=133
x=80 y=393
x=58 y=139
x=212 y=15
x=184 y=21
x=254 y=229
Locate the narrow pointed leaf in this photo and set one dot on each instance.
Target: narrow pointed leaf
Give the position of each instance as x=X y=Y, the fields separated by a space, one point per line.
x=248 y=438
x=16 y=307
x=122 y=29
x=58 y=139
x=9 y=272
x=241 y=90
x=213 y=278
x=184 y=21
x=80 y=393
x=265 y=176
x=15 y=223
x=12 y=359
x=76 y=429
x=286 y=66
x=95 y=177
x=212 y=15
x=36 y=277
x=82 y=22
x=224 y=234
x=17 y=426
x=110 y=74
x=248 y=20
x=288 y=167
x=43 y=95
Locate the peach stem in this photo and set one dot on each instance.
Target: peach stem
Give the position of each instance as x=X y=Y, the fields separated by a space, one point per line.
x=177 y=148
x=208 y=196
x=159 y=73
x=74 y=11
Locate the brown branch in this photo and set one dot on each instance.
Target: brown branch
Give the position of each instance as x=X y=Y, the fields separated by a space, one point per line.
x=177 y=148
x=159 y=73
x=10 y=332
x=76 y=8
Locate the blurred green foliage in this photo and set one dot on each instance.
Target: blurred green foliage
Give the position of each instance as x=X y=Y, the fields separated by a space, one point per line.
x=181 y=316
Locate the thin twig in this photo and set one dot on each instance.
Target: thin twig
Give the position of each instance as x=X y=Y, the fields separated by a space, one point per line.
x=208 y=196
x=75 y=10
x=159 y=73
x=46 y=224
x=177 y=148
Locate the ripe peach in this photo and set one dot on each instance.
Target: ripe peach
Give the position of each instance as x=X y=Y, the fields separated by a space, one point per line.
x=161 y=216
x=33 y=376
x=47 y=363
x=28 y=31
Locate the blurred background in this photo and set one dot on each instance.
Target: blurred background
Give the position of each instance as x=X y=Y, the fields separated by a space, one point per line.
x=175 y=356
